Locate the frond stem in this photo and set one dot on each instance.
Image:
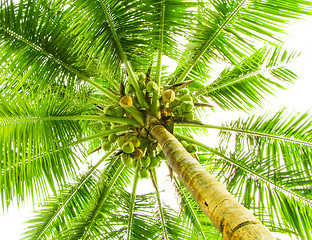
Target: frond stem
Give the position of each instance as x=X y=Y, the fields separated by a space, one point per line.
x=128 y=121
x=85 y=178
x=132 y=200
x=155 y=100
x=162 y=216
x=103 y=198
x=133 y=78
x=253 y=133
x=207 y=45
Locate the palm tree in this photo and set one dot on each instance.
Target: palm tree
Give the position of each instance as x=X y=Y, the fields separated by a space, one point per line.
x=88 y=78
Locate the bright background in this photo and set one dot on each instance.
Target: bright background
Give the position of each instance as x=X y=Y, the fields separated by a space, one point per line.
x=297 y=97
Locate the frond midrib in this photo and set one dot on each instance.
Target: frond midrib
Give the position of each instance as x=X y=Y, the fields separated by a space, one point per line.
x=209 y=42
x=242 y=78
x=64 y=204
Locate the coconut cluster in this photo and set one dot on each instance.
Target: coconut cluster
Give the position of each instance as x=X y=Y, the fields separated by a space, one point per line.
x=133 y=151
x=137 y=148
x=183 y=105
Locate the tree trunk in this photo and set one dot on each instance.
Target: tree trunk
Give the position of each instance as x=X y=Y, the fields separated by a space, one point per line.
x=232 y=219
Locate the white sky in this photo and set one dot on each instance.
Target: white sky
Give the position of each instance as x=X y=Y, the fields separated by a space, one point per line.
x=298 y=97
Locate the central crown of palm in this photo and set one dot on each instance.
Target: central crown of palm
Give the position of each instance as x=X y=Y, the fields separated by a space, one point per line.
x=86 y=76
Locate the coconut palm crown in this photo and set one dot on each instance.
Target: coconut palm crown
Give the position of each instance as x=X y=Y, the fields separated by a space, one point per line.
x=98 y=95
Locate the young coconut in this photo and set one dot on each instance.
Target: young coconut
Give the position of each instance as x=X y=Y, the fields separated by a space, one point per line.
x=119 y=112
x=136 y=141
x=151 y=87
x=154 y=162
x=112 y=137
x=138 y=153
x=187 y=106
x=127 y=159
x=126 y=101
x=109 y=110
x=145 y=161
x=129 y=89
x=186 y=98
x=144 y=173
x=189 y=116
x=128 y=147
x=168 y=95
x=121 y=140
x=107 y=146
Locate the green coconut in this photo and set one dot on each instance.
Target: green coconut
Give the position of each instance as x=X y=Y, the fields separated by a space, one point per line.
x=144 y=173
x=145 y=161
x=175 y=103
x=184 y=91
x=141 y=76
x=191 y=148
x=187 y=106
x=177 y=111
x=112 y=137
x=107 y=146
x=154 y=162
x=109 y=110
x=128 y=147
x=126 y=159
x=119 y=112
x=129 y=89
x=136 y=141
x=189 y=116
x=186 y=98
x=121 y=140
x=151 y=87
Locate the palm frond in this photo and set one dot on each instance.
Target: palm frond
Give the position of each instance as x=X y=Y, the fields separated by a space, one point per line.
x=36 y=136
x=229 y=30
x=57 y=211
x=36 y=48
x=247 y=84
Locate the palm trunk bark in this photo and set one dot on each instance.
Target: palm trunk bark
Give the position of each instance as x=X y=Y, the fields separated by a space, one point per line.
x=232 y=219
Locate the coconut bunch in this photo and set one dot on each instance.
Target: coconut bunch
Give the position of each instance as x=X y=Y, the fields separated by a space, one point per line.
x=181 y=103
x=138 y=148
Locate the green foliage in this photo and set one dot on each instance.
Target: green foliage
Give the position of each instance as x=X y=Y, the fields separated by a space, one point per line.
x=83 y=76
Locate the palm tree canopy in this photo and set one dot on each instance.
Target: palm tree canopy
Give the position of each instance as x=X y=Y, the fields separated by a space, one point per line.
x=84 y=80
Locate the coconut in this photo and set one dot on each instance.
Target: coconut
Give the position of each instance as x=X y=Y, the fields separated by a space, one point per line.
x=191 y=148
x=126 y=101
x=187 y=106
x=107 y=146
x=145 y=161
x=144 y=173
x=151 y=87
x=121 y=140
x=112 y=137
x=184 y=91
x=186 y=98
x=126 y=158
x=168 y=95
x=189 y=116
x=129 y=89
x=109 y=110
x=128 y=147
x=138 y=153
x=154 y=162
x=136 y=141
x=177 y=111
x=119 y=112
